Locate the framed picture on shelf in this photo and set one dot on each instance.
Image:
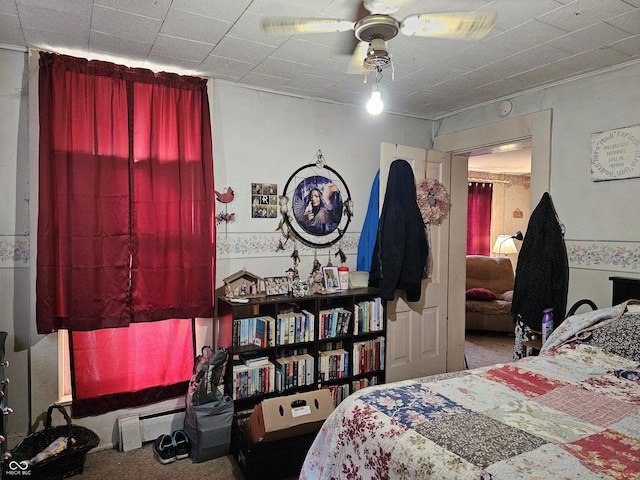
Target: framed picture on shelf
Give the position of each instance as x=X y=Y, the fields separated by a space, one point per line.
x=330 y=277
x=276 y=285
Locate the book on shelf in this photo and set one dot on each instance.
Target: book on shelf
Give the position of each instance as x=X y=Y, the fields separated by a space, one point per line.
x=368 y=355
x=338 y=392
x=258 y=331
x=294 y=371
x=294 y=327
x=249 y=381
x=368 y=316
x=334 y=322
x=253 y=359
x=334 y=364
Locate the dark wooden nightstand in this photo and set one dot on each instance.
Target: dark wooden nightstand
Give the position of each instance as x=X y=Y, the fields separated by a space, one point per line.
x=624 y=288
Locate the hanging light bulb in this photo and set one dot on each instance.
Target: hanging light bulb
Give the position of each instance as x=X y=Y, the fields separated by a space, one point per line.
x=375 y=105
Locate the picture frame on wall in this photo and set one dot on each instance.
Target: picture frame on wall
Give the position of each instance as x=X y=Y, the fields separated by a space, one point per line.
x=330 y=277
x=264 y=200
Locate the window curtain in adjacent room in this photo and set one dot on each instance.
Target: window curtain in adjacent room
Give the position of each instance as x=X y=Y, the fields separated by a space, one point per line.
x=126 y=221
x=479 y=218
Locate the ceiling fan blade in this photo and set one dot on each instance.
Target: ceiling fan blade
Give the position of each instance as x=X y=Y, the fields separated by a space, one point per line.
x=384 y=7
x=288 y=26
x=356 y=66
x=464 y=25
x=349 y=46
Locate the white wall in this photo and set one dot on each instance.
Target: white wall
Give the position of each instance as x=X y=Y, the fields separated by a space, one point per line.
x=14 y=233
x=262 y=137
x=601 y=219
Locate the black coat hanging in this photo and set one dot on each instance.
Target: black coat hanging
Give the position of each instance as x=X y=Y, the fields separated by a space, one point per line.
x=542 y=273
x=400 y=253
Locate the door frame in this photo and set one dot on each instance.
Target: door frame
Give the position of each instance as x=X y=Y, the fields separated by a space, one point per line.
x=537 y=127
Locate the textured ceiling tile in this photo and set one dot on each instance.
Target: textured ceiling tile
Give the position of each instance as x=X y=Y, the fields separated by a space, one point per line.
x=218 y=67
x=156 y=9
x=583 y=13
x=52 y=20
x=242 y=50
x=8 y=7
x=264 y=81
x=248 y=28
x=64 y=42
x=182 y=24
x=534 y=57
x=629 y=22
x=588 y=38
x=281 y=68
x=224 y=10
x=170 y=47
x=630 y=46
x=10 y=29
x=102 y=42
x=513 y=13
x=125 y=25
x=524 y=36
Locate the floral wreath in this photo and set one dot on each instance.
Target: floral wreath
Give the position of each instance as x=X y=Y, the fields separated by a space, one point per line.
x=433 y=201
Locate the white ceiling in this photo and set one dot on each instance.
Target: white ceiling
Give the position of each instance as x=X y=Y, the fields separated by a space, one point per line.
x=534 y=43
x=516 y=162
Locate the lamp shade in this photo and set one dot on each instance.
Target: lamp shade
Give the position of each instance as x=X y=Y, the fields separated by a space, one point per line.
x=504 y=245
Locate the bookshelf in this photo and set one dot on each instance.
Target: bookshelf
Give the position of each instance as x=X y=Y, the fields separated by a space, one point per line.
x=282 y=344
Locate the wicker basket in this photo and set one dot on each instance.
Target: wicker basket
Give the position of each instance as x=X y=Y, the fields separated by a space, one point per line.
x=65 y=464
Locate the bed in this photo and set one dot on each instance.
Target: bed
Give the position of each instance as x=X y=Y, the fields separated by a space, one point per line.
x=573 y=412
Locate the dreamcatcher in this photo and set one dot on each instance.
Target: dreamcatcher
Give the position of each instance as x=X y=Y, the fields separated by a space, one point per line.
x=316 y=205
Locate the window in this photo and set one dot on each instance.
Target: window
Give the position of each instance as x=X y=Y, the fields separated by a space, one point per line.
x=479 y=218
x=125 y=227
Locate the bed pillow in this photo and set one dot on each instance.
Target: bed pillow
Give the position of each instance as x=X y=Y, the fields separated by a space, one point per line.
x=620 y=337
x=506 y=296
x=480 y=294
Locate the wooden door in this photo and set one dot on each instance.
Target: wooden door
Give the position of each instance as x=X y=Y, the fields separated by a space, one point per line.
x=417 y=331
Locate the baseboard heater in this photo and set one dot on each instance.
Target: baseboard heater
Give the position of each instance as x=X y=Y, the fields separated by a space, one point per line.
x=134 y=430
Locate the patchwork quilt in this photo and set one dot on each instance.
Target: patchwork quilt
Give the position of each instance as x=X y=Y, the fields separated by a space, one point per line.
x=572 y=412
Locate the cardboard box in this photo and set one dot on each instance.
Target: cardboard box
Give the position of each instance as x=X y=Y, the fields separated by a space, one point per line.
x=289 y=416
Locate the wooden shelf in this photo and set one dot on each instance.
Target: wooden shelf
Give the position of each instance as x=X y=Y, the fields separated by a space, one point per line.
x=230 y=312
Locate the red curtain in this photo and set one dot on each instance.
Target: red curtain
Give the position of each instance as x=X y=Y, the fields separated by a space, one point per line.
x=114 y=368
x=125 y=226
x=126 y=223
x=479 y=218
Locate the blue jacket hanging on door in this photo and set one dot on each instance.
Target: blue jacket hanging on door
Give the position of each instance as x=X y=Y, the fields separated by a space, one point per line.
x=400 y=253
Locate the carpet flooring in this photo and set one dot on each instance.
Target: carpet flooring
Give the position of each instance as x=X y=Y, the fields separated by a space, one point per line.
x=487 y=348
x=481 y=349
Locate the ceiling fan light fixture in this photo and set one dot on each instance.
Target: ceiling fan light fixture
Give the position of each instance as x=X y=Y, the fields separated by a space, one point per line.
x=377 y=55
x=375 y=104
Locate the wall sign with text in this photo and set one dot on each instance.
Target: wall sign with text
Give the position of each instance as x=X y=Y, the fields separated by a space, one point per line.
x=615 y=154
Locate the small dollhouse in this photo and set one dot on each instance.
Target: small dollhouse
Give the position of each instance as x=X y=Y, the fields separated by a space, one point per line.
x=243 y=284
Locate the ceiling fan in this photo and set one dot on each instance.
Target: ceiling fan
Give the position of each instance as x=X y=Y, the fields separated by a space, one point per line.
x=376 y=27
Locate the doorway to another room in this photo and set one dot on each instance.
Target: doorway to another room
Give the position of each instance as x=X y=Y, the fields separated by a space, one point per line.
x=499 y=180
x=537 y=128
